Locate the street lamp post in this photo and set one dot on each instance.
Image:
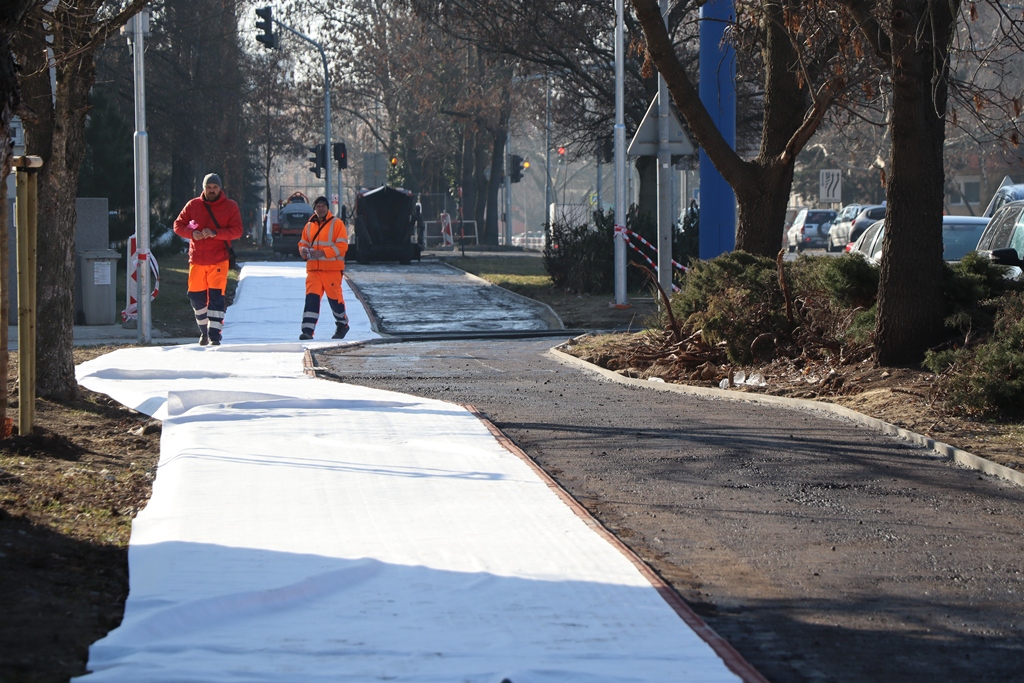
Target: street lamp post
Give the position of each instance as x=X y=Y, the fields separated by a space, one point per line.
x=136 y=28
x=620 y=159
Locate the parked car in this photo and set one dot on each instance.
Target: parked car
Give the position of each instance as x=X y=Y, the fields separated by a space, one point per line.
x=1003 y=239
x=1004 y=195
x=960 y=235
x=286 y=228
x=845 y=232
x=810 y=229
x=864 y=244
x=846 y=216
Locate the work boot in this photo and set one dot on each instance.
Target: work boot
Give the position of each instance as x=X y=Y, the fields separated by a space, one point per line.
x=215 y=338
x=305 y=336
x=204 y=340
x=340 y=331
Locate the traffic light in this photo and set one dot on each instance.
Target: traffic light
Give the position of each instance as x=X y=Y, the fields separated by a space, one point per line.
x=394 y=161
x=267 y=26
x=340 y=155
x=606 y=150
x=319 y=158
x=517 y=168
x=561 y=155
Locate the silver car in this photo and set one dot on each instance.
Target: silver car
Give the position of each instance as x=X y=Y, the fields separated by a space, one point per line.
x=960 y=235
x=810 y=229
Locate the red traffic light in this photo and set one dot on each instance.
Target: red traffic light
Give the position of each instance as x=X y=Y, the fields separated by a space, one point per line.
x=561 y=151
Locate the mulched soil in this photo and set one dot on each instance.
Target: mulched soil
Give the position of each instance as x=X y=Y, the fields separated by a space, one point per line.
x=68 y=494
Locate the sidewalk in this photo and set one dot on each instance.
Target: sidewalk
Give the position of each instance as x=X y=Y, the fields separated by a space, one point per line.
x=306 y=530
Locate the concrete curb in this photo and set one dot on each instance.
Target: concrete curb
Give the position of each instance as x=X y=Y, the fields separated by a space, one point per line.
x=551 y=318
x=961 y=457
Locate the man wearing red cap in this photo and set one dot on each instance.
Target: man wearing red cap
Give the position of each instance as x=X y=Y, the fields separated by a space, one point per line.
x=209 y=222
x=323 y=244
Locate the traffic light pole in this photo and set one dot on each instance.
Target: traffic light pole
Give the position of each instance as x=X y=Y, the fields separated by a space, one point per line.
x=327 y=108
x=508 y=188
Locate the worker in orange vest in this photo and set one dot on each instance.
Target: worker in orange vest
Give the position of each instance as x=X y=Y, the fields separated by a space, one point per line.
x=323 y=244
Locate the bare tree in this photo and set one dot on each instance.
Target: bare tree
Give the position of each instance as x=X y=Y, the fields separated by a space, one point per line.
x=73 y=32
x=915 y=42
x=11 y=16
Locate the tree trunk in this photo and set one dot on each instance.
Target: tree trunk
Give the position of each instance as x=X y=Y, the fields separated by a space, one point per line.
x=57 y=136
x=910 y=301
x=494 y=210
x=468 y=175
x=482 y=156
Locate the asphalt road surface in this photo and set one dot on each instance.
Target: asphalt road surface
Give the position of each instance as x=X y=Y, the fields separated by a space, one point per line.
x=821 y=550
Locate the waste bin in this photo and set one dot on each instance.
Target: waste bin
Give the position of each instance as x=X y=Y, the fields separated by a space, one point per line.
x=98 y=286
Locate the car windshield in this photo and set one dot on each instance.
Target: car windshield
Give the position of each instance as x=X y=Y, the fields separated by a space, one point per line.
x=818 y=217
x=960 y=238
x=997 y=234
x=295 y=219
x=875 y=213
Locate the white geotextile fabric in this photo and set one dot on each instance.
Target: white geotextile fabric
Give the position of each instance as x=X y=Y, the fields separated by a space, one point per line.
x=306 y=530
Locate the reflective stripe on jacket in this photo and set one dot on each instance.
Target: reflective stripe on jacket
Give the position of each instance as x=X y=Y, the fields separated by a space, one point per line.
x=330 y=236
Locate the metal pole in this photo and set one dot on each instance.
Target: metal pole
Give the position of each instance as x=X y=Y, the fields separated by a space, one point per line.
x=547 y=148
x=139 y=25
x=620 y=160
x=508 y=188
x=327 y=107
x=664 y=183
x=599 y=178
x=327 y=125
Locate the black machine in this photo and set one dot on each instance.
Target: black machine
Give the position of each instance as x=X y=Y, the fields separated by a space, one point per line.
x=384 y=227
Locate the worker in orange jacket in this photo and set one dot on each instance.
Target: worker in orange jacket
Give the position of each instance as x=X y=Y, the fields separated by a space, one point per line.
x=209 y=222
x=323 y=244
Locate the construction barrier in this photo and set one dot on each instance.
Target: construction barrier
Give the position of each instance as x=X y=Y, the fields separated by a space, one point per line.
x=131 y=311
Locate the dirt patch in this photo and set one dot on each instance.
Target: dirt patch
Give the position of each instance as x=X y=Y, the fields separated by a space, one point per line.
x=68 y=494
x=905 y=397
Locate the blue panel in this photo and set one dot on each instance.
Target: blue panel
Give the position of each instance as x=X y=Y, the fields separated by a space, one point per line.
x=718 y=93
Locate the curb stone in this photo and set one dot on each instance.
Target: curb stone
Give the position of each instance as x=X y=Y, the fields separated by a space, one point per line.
x=959 y=456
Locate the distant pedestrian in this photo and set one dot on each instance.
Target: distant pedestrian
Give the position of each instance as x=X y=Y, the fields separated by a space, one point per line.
x=418 y=227
x=323 y=244
x=209 y=222
x=446 y=230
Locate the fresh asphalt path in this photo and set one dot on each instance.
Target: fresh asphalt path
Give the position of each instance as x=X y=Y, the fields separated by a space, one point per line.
x=821 y=550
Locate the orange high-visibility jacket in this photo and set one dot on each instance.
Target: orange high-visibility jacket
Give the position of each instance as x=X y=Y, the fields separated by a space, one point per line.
x=331 y=236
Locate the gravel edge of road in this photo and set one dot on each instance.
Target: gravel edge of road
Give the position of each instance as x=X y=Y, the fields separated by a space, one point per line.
x=957 y=455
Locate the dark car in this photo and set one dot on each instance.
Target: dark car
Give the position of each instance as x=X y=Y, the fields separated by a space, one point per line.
x=844 y=233
x=1003 y=239
x=810 y=229
x=1004 y=195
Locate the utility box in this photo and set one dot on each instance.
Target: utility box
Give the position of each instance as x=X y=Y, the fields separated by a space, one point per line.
x=97 y=286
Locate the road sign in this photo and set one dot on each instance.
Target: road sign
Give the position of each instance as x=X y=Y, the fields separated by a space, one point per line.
x=645 y=142
x=830 y=186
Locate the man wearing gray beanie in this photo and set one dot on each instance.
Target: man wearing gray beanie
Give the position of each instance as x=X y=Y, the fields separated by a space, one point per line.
x=209 y=222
